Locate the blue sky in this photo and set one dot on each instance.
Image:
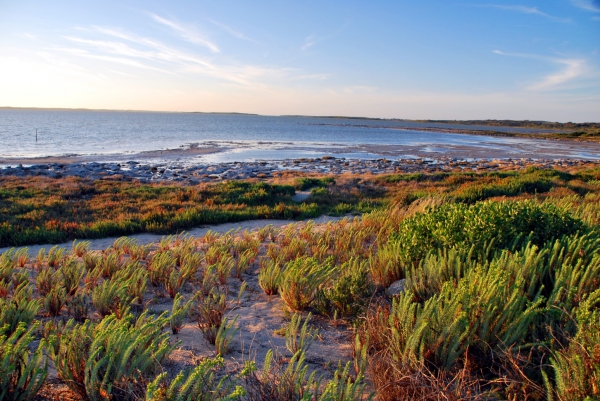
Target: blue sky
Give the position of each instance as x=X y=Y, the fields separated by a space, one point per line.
x=400 y=59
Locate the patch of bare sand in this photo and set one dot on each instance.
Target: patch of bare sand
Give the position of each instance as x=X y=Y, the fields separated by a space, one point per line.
x=191 y=151
x=146 y=238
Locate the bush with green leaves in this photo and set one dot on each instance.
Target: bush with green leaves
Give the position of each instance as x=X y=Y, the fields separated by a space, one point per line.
x=279 y=382
x=113 y=359
x=299 y=336
x=502 y=225
x=78 y=306
x=55 y=300
x=348 y=291
x=22 y=371
x=199 y=384
x=269 y=276
x=21 y=308
x=300 y=281
x=112 y=296
x=178 y=313
x=209 y=311
x=71 y=273
x=80 y=248
x=575 y=373
x=225 y=335
x=459 y=309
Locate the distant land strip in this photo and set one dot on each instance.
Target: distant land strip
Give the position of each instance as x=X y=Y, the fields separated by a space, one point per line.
x=588 y=131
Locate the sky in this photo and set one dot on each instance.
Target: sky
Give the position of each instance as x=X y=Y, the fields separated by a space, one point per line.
x=426 y=59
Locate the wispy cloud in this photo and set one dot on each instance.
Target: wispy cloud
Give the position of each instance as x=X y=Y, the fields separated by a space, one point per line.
x=571 y=69
x=124 y=48
x=523 y=10
x=589 y=5
x=231 y=31
x=28 y=35
x=313 y=39
x=189 y=33
x=112 y=59
x=160 y=50
x=309 y=41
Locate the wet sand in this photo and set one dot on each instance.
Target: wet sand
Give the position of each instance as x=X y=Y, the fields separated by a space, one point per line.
x=193 y=150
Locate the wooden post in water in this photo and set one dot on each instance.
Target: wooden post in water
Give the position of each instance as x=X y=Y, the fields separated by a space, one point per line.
x=36 y=134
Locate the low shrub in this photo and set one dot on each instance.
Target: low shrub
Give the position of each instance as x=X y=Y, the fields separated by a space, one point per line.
x=22 y=371
x=300 y=281
x=200 y=384
x=114 y=359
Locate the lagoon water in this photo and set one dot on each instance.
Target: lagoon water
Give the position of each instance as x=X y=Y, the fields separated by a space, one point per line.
x=241 y=137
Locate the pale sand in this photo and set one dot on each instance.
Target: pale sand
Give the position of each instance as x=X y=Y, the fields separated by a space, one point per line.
x=192 y=151
x=146 y=238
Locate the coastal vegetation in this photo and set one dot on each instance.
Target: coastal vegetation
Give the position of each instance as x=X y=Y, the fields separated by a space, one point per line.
x=498 y=276
x=45 y=210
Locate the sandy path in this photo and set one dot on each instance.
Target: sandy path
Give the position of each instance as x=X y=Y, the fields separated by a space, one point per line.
x=146 y=238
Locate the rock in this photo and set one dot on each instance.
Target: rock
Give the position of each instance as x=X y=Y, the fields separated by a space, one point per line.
x=396 y=288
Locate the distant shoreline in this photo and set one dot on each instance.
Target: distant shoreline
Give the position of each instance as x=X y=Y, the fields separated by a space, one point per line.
x=487 y=122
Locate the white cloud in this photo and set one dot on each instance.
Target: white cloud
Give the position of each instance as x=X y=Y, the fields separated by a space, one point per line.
x=589 y=5
x=28 y=35
x=231 y=31
x=189 y=33
x=309 y=41
x=523 y=10
x=572 y=69
x=117 y=46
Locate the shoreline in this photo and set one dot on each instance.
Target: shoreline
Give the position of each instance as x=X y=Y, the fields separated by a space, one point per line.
x=214 y=152
x=263 y=170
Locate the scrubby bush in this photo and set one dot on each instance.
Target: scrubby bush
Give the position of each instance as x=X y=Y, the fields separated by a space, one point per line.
x=113 y=359
x=209 y=311
x=21 y=308
x=22 y=371
x=348 y=291
x=200 y=384
x=300 y=281
x=500 y=225
x=269 y=276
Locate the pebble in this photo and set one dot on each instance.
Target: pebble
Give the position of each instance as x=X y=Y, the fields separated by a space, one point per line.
x=198 y=173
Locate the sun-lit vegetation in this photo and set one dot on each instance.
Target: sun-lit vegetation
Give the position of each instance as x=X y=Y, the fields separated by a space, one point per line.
x=500 y=293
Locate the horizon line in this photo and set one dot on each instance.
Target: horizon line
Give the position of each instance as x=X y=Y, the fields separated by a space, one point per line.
x=288 y=115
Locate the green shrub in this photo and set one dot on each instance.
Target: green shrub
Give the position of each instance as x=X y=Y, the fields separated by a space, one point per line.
x=506 y=225
x=269 y=276
x=20 y=309
x=46 y=280
x=209 y=310
x=81 y=248
x=349 y=290
x=301 y=280
x=55 y=300
x=78 y=306
x=113 y=359
x=178 y=313
x=576 y=368
x=22 y=372
x=199 y=384
x=304 y=183
x=299 y=338
x=112 y=296
x=225 y=335
x=71 y=273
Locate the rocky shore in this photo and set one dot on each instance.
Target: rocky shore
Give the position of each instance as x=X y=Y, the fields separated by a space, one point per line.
x=197 y=173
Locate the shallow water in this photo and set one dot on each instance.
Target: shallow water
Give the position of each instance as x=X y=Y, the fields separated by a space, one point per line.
x=242 y=137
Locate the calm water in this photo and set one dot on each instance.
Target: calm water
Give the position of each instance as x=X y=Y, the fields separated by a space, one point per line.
x=247 y=137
